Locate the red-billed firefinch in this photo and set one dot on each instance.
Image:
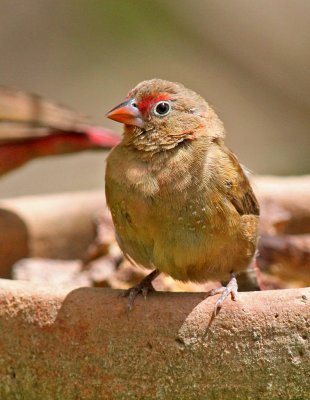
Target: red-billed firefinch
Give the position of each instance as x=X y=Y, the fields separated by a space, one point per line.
x=180 y=201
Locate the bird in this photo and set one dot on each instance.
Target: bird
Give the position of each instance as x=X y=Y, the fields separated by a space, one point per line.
x=180 y=201
x=32 y=126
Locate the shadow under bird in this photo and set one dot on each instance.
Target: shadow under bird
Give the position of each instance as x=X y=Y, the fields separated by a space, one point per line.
x=180 y=201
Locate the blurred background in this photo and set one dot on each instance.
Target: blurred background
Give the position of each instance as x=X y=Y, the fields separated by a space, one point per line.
x=250 y=60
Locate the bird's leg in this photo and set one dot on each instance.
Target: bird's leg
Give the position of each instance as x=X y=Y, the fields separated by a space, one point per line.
x=248 y=280
x=144 y=287
x=225 y=291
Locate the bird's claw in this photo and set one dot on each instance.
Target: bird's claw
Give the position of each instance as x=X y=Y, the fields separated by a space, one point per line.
x=231 y=289
x=144 y=287
x=133 y=292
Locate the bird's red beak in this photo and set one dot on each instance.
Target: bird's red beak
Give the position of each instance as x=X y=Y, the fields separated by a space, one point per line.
x=127 y=113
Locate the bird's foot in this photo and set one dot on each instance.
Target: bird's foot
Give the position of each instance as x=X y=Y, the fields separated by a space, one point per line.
x=225 y=291
x=144 y=287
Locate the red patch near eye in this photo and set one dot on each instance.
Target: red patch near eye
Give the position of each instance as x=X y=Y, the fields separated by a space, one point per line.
x=148 y=101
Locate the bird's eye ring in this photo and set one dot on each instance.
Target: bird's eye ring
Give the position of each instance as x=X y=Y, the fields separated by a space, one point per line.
x=162 y=108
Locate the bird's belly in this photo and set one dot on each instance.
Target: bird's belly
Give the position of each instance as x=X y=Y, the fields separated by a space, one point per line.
x=134 y=227
x=178 y=240
x=194 y=255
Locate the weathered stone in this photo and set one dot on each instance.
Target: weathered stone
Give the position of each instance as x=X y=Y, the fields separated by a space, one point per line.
x=82 y=344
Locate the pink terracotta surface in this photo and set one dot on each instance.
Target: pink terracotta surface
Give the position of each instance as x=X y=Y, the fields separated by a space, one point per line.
x=82 y=344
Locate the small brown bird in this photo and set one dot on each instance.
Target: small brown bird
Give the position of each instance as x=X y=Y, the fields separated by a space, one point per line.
x=180 y=201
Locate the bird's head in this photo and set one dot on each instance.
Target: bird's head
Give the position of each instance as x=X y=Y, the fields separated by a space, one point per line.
x=158 y=115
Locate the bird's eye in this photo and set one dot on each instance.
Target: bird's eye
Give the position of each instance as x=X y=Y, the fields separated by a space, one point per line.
x=162 y=108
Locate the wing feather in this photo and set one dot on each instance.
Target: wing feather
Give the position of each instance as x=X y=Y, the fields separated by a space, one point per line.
x=240 y=191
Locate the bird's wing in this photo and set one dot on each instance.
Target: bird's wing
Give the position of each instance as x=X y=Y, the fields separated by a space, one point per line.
x=240 y=191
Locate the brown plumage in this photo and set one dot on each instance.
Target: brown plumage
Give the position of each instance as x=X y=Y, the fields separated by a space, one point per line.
x=180 y=201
